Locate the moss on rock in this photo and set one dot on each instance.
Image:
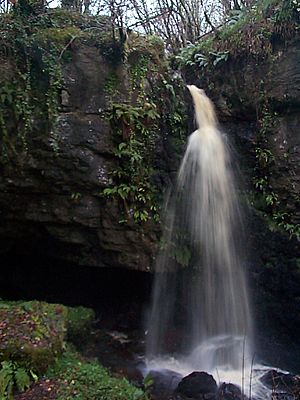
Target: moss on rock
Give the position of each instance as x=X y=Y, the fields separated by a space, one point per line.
x=32 y=336
x=88 y=380
x=33 y=333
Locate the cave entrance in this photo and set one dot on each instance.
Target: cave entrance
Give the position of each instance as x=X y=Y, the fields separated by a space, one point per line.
x=115 y=294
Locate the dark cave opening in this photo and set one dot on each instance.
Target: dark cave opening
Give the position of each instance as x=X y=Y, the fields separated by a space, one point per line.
x=116 y=294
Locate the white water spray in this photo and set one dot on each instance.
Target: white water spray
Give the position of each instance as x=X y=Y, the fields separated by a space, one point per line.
x=200 y=286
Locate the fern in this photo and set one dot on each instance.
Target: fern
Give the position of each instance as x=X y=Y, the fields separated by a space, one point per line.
x=22 y=379
x=6 y=380
x=12 y=375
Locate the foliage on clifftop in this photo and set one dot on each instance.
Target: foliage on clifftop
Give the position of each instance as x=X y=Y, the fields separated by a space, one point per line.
x=247 y=33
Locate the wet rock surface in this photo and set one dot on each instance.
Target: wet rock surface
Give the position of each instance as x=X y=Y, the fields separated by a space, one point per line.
x=228 y=391
x=163 y=383
x=54 y=199
x=197 y=385
x=282 y=384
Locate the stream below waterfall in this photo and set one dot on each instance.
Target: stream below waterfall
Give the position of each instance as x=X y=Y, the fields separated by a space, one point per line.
x=122 y=351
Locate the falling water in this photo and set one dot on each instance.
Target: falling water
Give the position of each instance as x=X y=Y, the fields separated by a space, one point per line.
x=200 y=287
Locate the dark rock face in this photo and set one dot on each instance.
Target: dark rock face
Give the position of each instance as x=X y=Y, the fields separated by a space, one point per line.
x=197 y=385
x=52 y=203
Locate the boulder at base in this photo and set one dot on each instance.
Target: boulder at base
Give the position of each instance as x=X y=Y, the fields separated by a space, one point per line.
x=197 y=385
x=163 y=382
x=229 y=391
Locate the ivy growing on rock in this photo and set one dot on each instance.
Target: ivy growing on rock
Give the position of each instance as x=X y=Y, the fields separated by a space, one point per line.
x=267 y=199
x=24 y=99
x=33 y=47
x=139 y=128
x=136 y=129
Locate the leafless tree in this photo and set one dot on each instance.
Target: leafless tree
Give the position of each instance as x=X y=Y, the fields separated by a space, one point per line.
x=176 y=21
x=229 y=5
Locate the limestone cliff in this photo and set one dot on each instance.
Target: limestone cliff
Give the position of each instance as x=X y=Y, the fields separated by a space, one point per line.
x=52 y=194
x=52 y=191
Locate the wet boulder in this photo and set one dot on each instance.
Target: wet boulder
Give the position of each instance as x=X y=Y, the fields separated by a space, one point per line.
x=162 y=383
x=197 y=385
x=229 y=391
x=281 y=382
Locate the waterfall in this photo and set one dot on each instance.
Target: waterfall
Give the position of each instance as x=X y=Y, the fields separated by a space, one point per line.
x=200 y=287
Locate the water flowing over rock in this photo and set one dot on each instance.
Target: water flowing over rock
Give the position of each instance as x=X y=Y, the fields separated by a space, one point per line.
x=247 y=92
x=203 y=215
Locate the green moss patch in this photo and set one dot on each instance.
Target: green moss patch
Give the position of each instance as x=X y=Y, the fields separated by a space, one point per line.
x=32 y=339
x=57 y=36
x=84 y=380
x=32 y=333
